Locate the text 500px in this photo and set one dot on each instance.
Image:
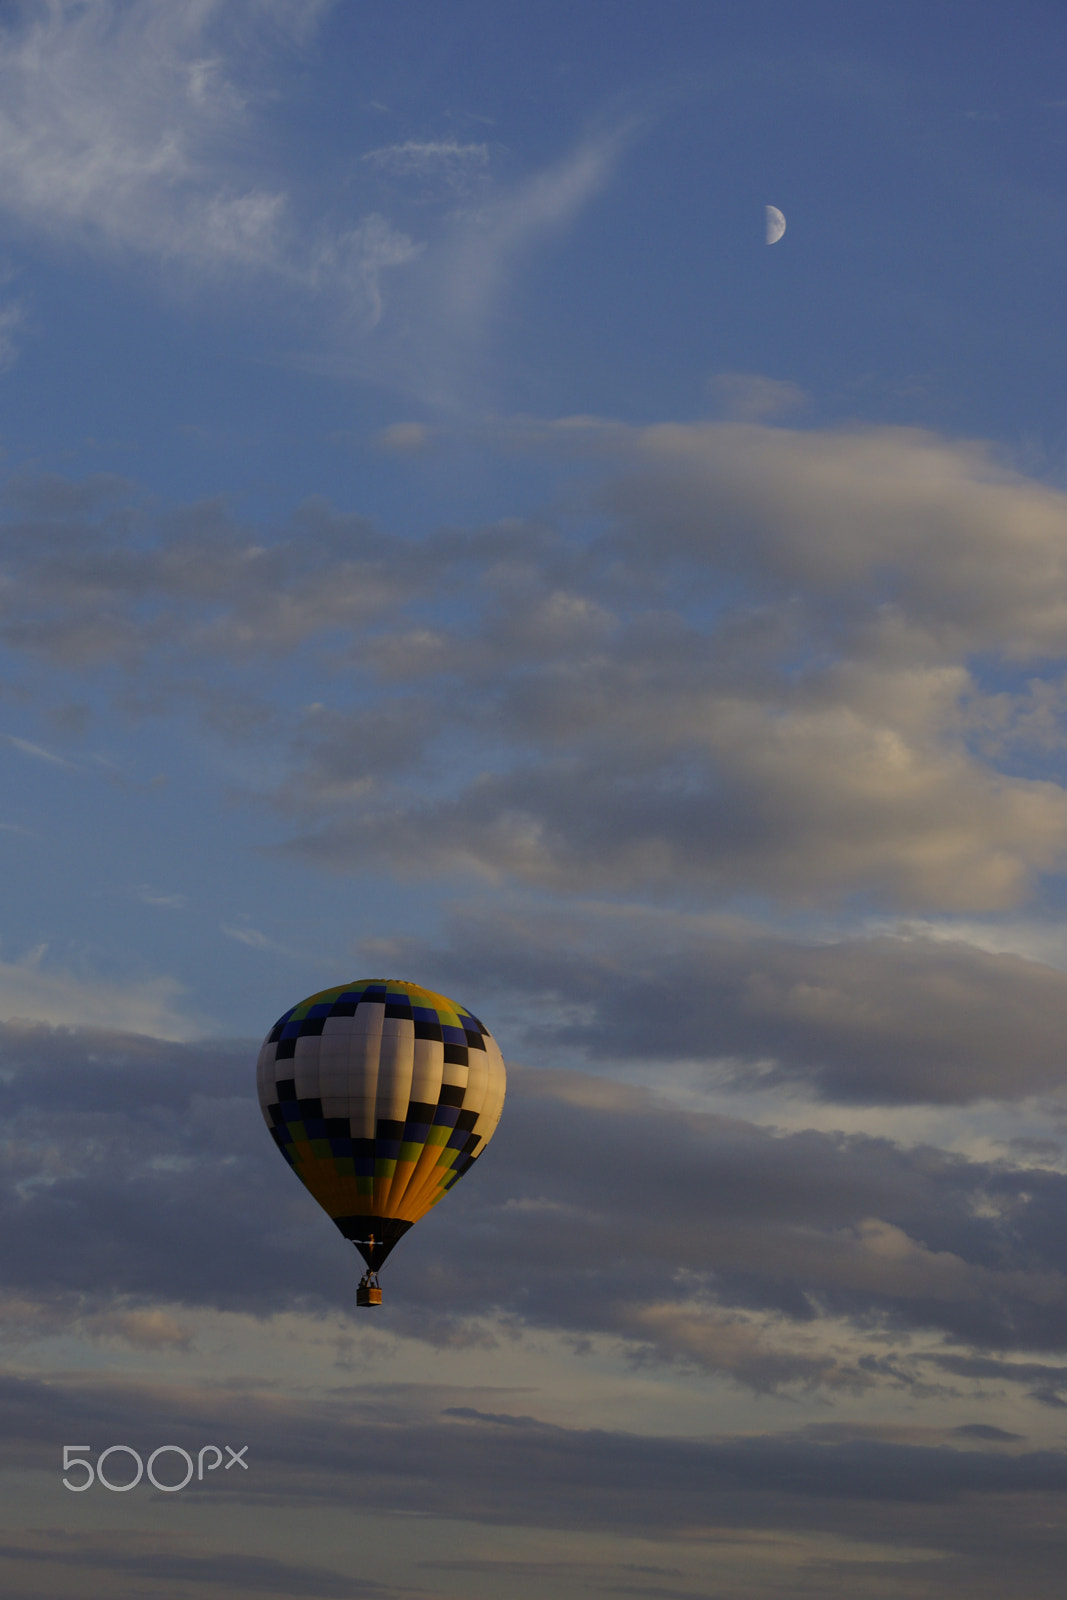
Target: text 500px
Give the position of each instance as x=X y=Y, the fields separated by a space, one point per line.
x=77 y=1456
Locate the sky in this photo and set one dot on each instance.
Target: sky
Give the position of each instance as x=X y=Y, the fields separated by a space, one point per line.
x=440 y=539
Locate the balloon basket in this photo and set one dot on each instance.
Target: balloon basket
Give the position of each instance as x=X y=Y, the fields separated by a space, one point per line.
x=369 y=1292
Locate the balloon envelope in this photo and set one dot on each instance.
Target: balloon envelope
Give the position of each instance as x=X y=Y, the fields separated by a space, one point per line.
x=380 y=1095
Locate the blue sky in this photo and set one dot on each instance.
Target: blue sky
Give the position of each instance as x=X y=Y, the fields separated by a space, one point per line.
x=440 y=537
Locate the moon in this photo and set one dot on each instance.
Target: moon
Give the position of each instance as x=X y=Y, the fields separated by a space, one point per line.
x=775 y=224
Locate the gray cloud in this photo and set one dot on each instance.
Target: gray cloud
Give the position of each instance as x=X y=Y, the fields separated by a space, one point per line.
x=877 y=1020
x=1048 y=1381
x=978 y=1511
x=102 y=582
x=787 y=665
x=787 y=829
x=225 y=1574
x=138 y=1175
x=288 y=1432
x=138 y=1184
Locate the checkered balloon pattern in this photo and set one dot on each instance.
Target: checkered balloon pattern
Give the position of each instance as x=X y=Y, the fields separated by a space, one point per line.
x=380 y=1095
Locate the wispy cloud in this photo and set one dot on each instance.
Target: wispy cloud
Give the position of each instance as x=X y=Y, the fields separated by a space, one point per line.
x=39 y=753
x=404 y=438
x=750 y=397
x=442 y=163
x=245 y=934
x=536 y=208
x=827 y=728
x=105 y=108
x=126 y=127
x=359 y=256
x=158 y=897
x=31 y=991
x=484 y=248
x=131 y=130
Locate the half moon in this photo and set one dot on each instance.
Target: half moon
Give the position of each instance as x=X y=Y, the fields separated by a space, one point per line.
x=775 y=224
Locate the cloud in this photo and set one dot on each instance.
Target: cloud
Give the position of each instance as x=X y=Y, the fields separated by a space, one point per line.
x=126 y=128
x=903 y=1020
x=159 y=1561
x=439 y=164
x=749 y=1509
x=98 y=586
x=443 y=347
x=150 y=896
x=255 y=939
x=403 y=438
x=146 y=132
x=533 y=210
x=788 y=664
x=31 y=992
x=249 y=936
x=914 y=536
x=801 y=807
x=821 y=732
x=28 y=1320
x=137 y=1177
x=748 y=397
x=348 y=753
x=38 y=752
x=1049 y=1381
x=358 y=258
x=105 y=109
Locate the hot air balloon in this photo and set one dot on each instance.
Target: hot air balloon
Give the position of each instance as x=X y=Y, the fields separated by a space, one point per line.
x=380 y=1095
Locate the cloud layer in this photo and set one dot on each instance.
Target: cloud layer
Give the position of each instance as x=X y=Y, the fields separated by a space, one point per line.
x=139 y=1190
x=845 y=1505
x=814 y=667
x=137 y=1174
x=901 y=1019
x=153 y=134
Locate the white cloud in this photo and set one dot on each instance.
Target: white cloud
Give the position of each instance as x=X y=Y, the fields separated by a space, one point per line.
x=514 y=220
x=358 y=258
x=788 y=665
x=39 y=753
x=443 y=164
x=142 y=130
x=33 y=993
x=750 y=398
x=245 y=934
x=938 y=547
x=127 y=127
x=104 y=109
x=439 y=345
x=160 y=898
